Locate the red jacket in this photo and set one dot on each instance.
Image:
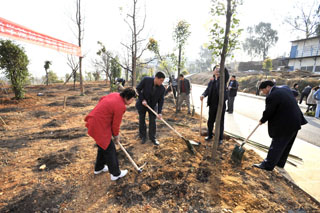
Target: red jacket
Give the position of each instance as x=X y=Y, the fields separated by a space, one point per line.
x=105 y=119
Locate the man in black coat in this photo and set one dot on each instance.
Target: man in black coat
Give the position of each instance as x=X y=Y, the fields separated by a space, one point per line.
x=232 y=93
x=284 y=121
x=305 y=93
x=212 y=91
x=151 y=92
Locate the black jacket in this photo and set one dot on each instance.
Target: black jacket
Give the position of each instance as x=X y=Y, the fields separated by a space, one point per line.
x=187 y=86
x=282 y=112
x=145 y=91
x=212 y=90
x=306 y=90
x=234 y=88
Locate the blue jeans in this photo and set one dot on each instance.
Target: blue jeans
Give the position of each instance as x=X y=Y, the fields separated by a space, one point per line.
x=318 y=110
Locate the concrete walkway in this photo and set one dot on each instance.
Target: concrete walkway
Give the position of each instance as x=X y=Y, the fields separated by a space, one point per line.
x=306 y=175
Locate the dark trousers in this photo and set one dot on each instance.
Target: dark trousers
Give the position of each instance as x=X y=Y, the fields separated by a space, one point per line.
x=311 y=107
x=302 y=96
x=279 y=150
x=213 y=109
x=230 y=103
x=108 y=157
x=142 y=110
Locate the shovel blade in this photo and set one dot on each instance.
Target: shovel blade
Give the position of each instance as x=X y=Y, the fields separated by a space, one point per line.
x=194 y=143
x=189 y=145
x=237 y=154
x=193 y=111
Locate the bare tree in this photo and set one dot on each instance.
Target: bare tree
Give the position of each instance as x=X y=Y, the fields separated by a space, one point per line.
x=308 y=19
x=80 y=35
x=74 y=65
x=135 y=46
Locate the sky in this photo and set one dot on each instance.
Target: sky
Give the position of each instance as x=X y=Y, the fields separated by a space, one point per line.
x=104 y=21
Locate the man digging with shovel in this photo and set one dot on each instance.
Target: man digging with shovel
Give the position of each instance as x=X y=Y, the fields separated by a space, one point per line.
x=103 y=122
x=284 y=121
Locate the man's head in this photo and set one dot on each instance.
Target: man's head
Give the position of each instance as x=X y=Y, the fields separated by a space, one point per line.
x=158 y=80
x=233 y=78
x=181 y=76
x=128 y=94
x=216 y=70
x=266 y=86
x=296 y=86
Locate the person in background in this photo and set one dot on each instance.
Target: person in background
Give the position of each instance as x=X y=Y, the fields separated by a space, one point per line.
x=284 y=121
x=295 y=90
x=316 y=96
x=311 y=102
x=184 y=91
x=305 y=92
x=151 y=92
x=232 y=93
x=120 y=81
x=174 y=84
x=103 y=123
x=212 y=91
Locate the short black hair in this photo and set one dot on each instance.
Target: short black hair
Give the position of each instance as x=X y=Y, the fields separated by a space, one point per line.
x=295 y=84
x=128 y=93
x=181 y=75
x=233 y=76
x=266 y=83
x=160 y=75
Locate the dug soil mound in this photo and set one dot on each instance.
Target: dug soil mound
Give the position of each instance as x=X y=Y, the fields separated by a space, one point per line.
x=47 y=162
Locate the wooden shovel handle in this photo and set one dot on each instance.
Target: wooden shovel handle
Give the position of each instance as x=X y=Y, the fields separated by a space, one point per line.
x=201 y=116
x=164 y=121
x=245 y=141
x=129 y=157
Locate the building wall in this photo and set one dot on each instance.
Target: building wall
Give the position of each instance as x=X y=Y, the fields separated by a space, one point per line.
x=305 y=48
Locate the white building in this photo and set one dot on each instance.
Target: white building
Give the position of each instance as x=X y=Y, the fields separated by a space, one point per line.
x=305 y=54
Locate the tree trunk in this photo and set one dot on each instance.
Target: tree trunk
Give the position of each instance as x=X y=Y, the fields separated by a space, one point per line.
x=179 y=69
x=222 y=82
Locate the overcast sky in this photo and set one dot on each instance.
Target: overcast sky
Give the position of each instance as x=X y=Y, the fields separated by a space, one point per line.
x=105 y=22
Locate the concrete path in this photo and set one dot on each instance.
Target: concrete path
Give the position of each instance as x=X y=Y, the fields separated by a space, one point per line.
x=242 y=122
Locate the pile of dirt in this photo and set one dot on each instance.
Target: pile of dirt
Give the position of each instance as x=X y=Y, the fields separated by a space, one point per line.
x=51 y=169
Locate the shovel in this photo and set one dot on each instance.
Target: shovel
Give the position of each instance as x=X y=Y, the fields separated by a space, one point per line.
x=188 y=142
x=238 y=151
x=193 y=110
x=139 y=169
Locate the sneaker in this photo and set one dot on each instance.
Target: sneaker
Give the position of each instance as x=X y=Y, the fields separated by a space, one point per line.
x=220 y=142
x=105 y=169
x=122 y=174
x=208 y=138
x=155 y=142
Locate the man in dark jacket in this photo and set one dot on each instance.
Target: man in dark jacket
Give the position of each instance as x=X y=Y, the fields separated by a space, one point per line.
x=212 y=91
x=184 y=92
x=284 y=121
x=305 y=92
x=151 y=92
x=232 y=93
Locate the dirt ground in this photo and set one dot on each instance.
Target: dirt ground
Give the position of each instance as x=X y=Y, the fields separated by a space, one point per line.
x=47 y=162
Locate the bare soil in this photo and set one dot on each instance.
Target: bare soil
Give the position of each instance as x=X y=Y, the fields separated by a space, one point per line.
x=47 y=162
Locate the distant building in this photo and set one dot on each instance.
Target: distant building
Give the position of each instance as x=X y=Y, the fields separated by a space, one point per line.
x=305 y=54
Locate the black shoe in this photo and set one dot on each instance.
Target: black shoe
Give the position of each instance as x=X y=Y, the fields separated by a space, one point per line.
x=261 y=166
x=208 y=138
x=143 y=140
x=230 y=112
x=220 y=142
x=189 y=113
x=156 y=142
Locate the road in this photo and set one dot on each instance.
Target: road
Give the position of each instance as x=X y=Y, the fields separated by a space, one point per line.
x=247 y=112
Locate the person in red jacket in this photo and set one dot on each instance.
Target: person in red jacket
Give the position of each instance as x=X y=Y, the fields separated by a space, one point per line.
x=103 y=123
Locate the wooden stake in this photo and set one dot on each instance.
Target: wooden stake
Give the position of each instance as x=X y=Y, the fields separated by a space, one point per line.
x=64 y=102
